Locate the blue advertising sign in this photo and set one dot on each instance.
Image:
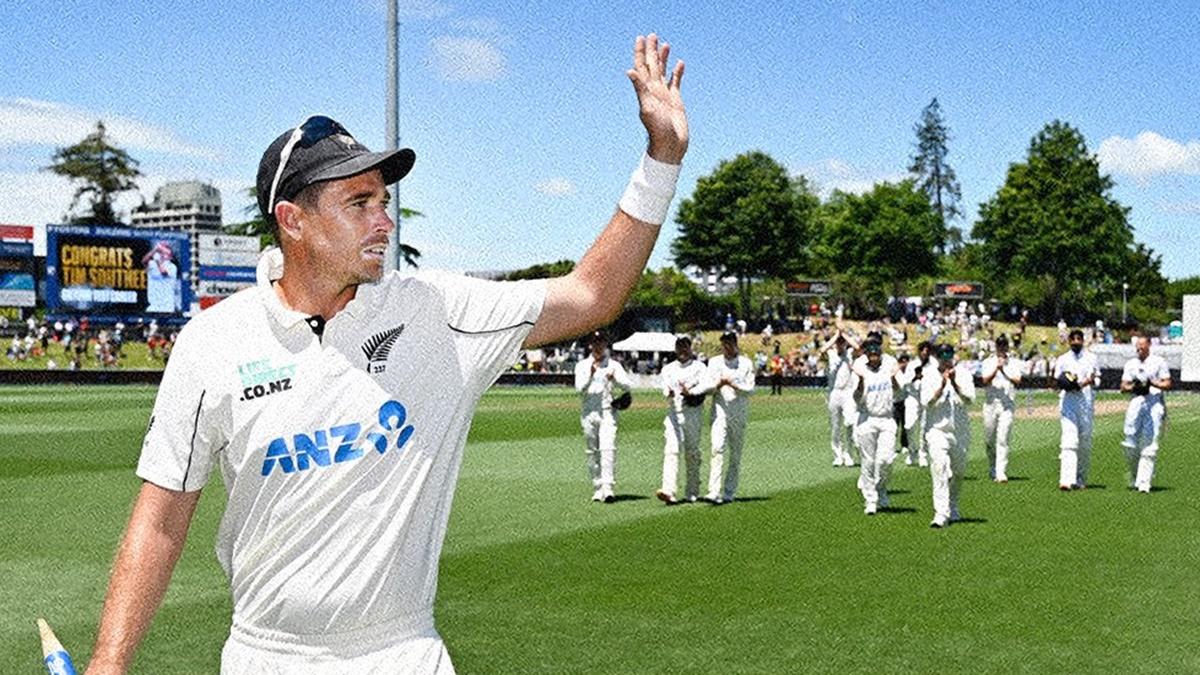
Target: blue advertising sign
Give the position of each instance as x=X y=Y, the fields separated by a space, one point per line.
x=227 y=273
x=117 y=271
x=15 y=249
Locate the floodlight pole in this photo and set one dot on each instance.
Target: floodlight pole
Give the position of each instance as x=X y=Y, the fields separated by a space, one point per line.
x=394 y=260
x=1124 y=302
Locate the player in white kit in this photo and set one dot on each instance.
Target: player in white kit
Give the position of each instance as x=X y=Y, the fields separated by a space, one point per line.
x=839 y=398
x=732 y=378
x=875 y=431
x=1146 y=377
x=947 y=395
x=684 y=383
x=1000 y=375
x=336 y=400
x=595 y=378
x=1076 y=373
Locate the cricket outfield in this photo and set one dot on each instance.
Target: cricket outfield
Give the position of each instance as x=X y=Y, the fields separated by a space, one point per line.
x=791 y=578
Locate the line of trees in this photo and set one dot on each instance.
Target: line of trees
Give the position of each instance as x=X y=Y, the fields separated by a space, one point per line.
x=1052 y=238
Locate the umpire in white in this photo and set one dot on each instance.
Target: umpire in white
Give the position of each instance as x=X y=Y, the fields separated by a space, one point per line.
x=1146 y=377
x=595 y=378
x=732 y=378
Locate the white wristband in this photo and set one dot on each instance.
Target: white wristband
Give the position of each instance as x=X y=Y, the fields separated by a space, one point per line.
x=651 y=188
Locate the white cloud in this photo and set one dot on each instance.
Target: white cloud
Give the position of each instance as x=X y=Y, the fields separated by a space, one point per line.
x=39 y=197
x=31 y=122
x=1148 y=155
x=837 y=174
x=462 y=59
x=555 y=187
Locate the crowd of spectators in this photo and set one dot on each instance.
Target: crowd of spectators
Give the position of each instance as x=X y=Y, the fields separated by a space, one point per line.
x=75 y=344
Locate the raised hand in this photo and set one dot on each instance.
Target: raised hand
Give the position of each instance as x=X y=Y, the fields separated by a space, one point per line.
x=659 y=103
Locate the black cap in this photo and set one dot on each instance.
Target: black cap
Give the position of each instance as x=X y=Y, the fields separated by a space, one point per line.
x=338 y=155
x=872 y=347
x=945 y=351
x=729 y=336
x=598 y=337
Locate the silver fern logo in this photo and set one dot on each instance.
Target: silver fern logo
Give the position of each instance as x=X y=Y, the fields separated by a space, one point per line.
x=378 y=347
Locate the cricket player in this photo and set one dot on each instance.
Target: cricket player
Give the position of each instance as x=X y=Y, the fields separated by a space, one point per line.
x=875 y=430
x=595 y=378
x=947 y=393
x=336 y=400
x=1146 y=377
x=732 y=379
x=839 y=398
x=1000 y=375
x=684 y=384
x=1076 y=374
x=914 y=412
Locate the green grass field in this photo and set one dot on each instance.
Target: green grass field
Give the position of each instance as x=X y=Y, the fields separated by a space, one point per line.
x=536 y=578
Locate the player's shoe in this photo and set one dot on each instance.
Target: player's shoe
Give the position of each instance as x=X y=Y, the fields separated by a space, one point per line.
x=1145 y=489
x=692 y=499
x=1001 y=478
x=608 y=496
x=938 y=523
x=871 y=509
x=923 y=460
x=666 y=497
x=908 y=460
x=1064 y=488
x=598 y=495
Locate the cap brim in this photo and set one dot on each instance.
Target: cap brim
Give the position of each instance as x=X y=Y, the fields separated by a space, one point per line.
x=395 y=164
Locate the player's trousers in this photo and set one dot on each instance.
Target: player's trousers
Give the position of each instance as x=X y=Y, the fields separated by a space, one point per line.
x=384 y=650
x=600 y=433
x=728 y=433
x=997 y=432
x=876 y=440
x=1075 y=457
x=947 y=466
x=842 y=413
x=1143 y=428
x=682 y=431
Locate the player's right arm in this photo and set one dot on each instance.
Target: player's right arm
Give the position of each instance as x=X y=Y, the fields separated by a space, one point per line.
x=149 y=550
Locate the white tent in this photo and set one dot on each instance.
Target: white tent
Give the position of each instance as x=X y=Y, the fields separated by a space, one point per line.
x=646 y=342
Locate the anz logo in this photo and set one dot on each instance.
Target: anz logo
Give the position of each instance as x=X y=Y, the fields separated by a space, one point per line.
x=339 y=444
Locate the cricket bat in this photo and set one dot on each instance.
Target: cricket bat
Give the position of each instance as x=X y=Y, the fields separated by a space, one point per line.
x=58 y=661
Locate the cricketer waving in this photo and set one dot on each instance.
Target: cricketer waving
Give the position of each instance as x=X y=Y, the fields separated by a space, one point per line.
x=306 y=391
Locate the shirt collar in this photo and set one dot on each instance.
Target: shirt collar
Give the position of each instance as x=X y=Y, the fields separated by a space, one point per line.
x=270 y=270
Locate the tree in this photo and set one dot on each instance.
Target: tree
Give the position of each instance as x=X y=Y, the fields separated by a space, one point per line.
x=671 y=288
x=747 y=219
x=100 y=171
x=934 y=176
x=257 y=226
x=1054 y=230
x=877 y=242
x=542 y=271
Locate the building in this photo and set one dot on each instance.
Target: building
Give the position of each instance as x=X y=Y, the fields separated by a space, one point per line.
x=189 y=206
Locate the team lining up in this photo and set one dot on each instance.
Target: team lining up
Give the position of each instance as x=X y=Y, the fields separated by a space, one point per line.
x=872 y=397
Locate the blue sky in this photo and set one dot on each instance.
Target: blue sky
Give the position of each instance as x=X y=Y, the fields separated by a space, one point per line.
x=525 y=126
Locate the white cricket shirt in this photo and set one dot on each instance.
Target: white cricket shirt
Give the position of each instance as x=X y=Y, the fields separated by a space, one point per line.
x=740 y=371
x=676 y=375
x=1153 y=368
x=340 y=454
x=1086 y=369
x=878 y=395
x=596 y=389
x=949 y=411
x=1002 y=389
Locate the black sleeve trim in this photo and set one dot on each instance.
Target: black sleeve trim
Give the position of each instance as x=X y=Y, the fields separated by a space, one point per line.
x=195 y=428
x=485 y=332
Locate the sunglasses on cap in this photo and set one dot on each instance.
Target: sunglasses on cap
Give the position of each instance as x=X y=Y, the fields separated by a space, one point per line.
x=310 y=132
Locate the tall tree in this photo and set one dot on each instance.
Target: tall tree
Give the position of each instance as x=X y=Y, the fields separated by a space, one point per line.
x=934 y=175
x=1054 y=229
x=258 y=227
x=747 y=218
x=875 y=243
x=100 y=171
